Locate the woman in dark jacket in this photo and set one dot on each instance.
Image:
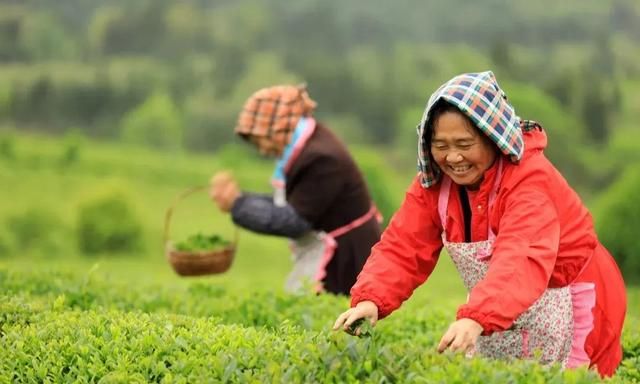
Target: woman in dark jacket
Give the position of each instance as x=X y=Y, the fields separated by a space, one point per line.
x=320 y=199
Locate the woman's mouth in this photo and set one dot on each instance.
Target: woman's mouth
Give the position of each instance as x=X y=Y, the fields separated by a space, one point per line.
x=459 y=169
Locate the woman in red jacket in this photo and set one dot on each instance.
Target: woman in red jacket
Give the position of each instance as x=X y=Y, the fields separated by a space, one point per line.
x=521 y=239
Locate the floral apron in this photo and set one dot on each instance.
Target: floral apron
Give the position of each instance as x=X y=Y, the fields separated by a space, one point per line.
x=553 y=329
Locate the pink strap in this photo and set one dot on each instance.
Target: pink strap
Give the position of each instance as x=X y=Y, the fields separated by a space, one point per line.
x=330 y=243
x=302 y=141
x=492 y=197
x=583 y=298
x=330 y=246
x=443 y=200
x=525 y=343
x=373 y=211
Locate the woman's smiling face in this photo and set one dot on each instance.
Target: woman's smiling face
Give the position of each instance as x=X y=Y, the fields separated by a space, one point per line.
x=461 y=151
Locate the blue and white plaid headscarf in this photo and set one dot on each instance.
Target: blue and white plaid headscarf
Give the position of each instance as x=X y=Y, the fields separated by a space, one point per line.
x=478 y=96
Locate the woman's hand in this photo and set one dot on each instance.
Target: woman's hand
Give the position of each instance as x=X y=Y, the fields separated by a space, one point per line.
x=461 y=336
x=224 y=190
x=363 y=310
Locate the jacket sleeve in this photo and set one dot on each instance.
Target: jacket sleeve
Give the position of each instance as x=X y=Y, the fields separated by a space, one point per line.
x=405 y=256
x=524 y=255
x=258 y=213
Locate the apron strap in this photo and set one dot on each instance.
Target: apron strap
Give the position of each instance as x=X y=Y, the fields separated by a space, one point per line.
x=330 y=243
x=373 y=211
x=443 y=200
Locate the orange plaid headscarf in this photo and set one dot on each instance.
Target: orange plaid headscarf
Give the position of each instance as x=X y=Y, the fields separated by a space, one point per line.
x=274 y=112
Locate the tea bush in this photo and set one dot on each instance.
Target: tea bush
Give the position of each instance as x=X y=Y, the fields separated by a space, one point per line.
x=35 y=229
x=375 y=172
x=7 y=147
x=107 y=223
x=72 y=148
x=59 y=327
x=5 y=245
x=58 y=345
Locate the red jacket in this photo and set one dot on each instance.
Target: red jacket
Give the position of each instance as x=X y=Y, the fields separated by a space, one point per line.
x=545 y=237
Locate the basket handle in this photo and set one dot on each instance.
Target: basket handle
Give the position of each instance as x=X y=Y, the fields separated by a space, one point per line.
x=181 y=196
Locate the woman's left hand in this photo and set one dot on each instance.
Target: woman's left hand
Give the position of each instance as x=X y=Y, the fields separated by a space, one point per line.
x=461 y=336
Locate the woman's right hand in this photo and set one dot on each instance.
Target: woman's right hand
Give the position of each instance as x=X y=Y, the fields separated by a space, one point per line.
x=363 y=310
x=224 y=190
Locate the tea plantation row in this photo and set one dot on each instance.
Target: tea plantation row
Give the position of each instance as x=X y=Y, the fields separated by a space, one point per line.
x=61 y=327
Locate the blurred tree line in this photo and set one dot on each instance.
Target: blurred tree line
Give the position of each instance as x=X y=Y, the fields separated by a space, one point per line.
x=174 y=74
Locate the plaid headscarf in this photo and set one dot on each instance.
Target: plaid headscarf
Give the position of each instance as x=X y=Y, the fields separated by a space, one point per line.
x=273 y=112
x=479 y=97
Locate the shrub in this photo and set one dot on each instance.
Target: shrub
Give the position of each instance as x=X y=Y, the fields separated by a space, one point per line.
x=380 y=193
x=107 y=223
x=35 y=229
x=5 y=245
x=380 y=183
x=7 y=146
x=157 y=122
x=618 y=214
x=57 y=325
x=72 y=148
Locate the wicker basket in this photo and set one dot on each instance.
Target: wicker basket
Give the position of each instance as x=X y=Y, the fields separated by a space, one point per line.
x=196 y=263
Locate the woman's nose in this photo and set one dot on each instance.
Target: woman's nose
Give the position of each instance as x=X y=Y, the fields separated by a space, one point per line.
x=453 y=157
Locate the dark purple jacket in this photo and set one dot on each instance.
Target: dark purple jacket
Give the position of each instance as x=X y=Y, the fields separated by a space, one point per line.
x=325 y=190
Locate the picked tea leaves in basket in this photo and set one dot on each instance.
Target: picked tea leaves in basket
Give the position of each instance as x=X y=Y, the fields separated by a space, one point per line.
x=202 y=243
x=198 y=254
